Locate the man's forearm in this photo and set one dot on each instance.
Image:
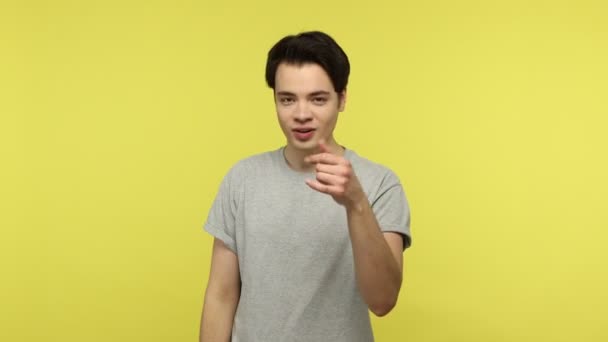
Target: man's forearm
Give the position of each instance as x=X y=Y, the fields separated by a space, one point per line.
x=218 y=317
x=377 y=271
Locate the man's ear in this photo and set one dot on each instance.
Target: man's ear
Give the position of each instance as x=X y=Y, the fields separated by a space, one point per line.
x=342 y=100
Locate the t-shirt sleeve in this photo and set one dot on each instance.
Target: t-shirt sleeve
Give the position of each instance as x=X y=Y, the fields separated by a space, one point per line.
x=392 y=209
x=221 y=221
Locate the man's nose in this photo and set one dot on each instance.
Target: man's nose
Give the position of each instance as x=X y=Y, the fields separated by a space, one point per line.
x=303 y=112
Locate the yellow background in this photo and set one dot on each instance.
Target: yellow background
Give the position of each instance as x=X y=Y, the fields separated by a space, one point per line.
x=119 y=119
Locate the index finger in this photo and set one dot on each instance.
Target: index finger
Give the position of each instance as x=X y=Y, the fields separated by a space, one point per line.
x=323 y=147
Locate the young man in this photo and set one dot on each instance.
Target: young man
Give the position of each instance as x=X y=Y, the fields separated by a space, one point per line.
x=310 y=236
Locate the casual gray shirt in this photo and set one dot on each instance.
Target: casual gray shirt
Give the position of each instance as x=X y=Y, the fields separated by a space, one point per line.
x=294 y=250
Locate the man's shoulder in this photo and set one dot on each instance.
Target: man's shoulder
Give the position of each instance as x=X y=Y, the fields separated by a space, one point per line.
x=372 y=172
x=361 y=163
x=254 y=162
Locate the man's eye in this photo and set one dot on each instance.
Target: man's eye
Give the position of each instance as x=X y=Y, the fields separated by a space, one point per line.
x=286 y=100
x=319 y=100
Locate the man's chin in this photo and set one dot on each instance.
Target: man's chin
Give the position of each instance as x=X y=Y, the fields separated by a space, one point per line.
x=309 y=146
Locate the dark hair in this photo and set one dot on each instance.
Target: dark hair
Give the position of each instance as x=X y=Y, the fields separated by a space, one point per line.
x=310 y=47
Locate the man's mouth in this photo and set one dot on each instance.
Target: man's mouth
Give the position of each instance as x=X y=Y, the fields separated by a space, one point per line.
x=303 y=130
x=303 y=134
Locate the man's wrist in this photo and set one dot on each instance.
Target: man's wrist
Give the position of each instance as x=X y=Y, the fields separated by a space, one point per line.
x=358 y=204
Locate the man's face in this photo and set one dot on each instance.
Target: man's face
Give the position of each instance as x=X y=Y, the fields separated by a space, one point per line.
x=307 y=105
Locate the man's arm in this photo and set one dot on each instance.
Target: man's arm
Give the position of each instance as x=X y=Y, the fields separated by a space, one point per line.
x=222 y=295
x=377 y=256
x=378 y=259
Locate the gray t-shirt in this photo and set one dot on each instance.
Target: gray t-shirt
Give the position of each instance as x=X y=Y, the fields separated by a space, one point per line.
x=294 y=250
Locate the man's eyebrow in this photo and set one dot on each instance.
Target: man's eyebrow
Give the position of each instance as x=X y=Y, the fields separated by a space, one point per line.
x=314 y=93
x=320 y=92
